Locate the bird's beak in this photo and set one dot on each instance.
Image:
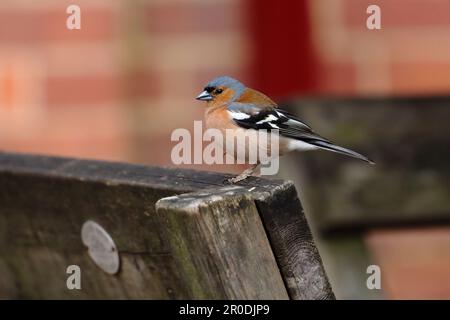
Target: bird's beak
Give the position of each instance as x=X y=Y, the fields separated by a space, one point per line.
x=205 y=96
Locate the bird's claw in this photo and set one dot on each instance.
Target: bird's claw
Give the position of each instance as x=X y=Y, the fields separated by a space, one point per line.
x=238 y=178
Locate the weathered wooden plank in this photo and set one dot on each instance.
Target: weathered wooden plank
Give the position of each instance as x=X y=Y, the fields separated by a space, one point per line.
x=293 y=244
x=220 y=245
x=45 y=200
x=115 y=173
x=41 y=219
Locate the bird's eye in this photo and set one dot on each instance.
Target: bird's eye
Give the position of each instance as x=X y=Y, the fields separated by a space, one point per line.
x=218 y=91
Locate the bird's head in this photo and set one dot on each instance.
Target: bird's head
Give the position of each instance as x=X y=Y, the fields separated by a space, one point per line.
x=222 y=90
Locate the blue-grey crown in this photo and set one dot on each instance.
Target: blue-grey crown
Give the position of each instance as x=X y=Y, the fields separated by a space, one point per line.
x=228 y=82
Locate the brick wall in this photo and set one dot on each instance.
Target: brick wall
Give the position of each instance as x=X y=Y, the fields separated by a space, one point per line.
x=182 y=45
x=59 y=92
x=118 y=87
x=414 y=263
x=409 y=55
x=136 y=61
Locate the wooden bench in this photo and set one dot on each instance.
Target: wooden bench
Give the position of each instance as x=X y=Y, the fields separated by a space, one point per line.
x=180 y=234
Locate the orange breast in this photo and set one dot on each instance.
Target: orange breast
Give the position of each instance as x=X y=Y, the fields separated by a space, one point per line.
x=219 y=118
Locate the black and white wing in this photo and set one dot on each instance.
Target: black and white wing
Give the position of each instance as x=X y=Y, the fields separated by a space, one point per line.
x=249 y=116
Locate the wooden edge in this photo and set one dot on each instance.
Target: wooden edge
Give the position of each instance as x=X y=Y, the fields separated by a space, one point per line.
x=276 y=202
x=293 y=245
x=220 y=246
x=117 y=173
x=286 y=227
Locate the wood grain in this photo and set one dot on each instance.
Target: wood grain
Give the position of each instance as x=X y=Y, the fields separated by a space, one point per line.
x=207 y=243
x=220 y=245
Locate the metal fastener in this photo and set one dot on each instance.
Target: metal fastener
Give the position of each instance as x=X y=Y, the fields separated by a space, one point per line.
x=101 y=247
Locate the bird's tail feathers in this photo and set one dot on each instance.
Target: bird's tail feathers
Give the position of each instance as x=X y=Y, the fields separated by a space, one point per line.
x=334 y=148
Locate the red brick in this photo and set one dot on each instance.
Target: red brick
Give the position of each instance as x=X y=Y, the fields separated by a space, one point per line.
x=399 y=12
x=98 y=132
x=33 y=27
x=7 y=88
x=88 y=89
x=415 y=264
x=186 y=17
x=141 y=84
x=111 y=148
x=421 y=78
x=336 y=79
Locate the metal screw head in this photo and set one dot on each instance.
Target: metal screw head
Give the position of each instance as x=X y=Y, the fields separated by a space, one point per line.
x=101 y=247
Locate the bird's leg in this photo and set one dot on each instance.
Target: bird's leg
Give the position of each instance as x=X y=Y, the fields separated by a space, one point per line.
x=244 y=175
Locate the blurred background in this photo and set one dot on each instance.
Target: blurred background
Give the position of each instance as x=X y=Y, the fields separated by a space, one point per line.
x=116 y=89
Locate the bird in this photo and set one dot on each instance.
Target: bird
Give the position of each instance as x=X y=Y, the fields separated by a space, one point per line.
x=232 y=105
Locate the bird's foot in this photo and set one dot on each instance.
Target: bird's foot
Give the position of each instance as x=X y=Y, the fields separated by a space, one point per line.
x=244 y=175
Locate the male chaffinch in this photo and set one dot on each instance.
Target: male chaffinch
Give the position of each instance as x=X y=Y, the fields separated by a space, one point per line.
x=231 y=105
